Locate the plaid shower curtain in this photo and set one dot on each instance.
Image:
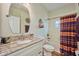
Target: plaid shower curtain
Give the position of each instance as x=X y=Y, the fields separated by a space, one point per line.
x=68 y=32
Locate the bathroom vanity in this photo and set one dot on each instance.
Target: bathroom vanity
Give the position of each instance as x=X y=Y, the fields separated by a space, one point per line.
x=33 y=48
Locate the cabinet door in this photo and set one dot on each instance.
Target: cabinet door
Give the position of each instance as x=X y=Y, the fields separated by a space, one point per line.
x=32 y=50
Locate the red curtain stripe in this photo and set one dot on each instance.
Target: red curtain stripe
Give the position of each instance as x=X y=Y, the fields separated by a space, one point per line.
x=68 y=40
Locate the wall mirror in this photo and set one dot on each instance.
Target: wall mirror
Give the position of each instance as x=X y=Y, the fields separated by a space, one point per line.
x=14 y=23
x=19 y=20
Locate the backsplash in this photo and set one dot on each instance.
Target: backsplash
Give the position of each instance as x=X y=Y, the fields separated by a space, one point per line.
x=18 y=37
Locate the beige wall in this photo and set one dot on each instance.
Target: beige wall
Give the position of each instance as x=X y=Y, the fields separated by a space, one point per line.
x=77 y=9
x=5 y=31
x=0 y=19
x=55 y=33
x=36 y=12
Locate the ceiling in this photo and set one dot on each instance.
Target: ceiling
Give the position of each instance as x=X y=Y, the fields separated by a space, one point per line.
x=53 y=6
x=48 y=6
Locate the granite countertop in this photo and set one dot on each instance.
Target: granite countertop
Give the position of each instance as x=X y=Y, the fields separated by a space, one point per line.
x=6 y=49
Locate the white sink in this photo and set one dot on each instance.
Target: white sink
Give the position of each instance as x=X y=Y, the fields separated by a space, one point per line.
x=23 y=41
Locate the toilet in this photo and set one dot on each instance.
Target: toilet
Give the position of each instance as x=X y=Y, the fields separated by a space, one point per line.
x=48 y=49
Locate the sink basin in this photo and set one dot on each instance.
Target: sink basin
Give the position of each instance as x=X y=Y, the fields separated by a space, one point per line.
x=23 y=42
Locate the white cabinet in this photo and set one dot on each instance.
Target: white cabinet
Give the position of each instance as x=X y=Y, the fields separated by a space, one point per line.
x=32 y=50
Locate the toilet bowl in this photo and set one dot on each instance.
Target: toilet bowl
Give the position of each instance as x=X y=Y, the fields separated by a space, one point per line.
x=48 y=47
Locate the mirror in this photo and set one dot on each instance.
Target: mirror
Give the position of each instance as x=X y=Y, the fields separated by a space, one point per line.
x=19 y=19
x=14 y=23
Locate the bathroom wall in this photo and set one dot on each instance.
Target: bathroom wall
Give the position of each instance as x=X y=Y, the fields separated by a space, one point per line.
x=5 y=30
x=0 y=19
x=54 y=33
x=0 y=22
x=36 y=12
x=77 y=9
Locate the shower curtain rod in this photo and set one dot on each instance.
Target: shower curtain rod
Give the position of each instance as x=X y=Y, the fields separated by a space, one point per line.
x=50 y=18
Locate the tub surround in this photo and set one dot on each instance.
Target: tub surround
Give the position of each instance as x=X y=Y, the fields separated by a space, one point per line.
x=12 y=45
